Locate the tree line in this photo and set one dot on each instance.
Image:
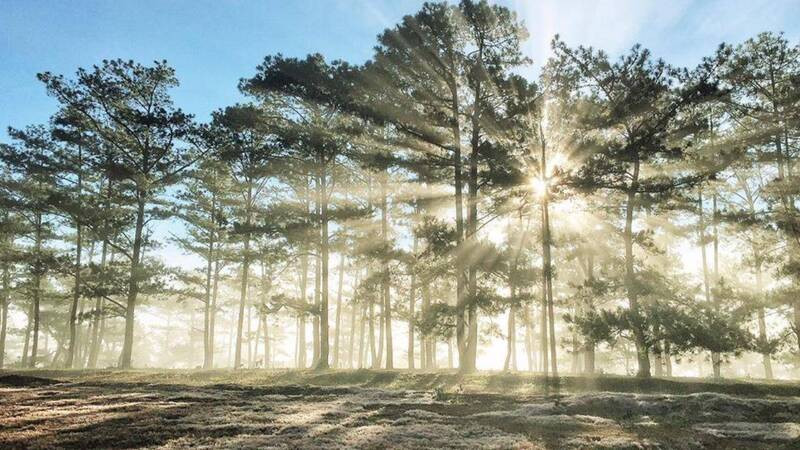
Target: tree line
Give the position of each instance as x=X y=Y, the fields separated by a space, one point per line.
x=432 y=190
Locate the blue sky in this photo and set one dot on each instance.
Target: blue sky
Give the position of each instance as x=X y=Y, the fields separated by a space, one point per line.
x=213 y=43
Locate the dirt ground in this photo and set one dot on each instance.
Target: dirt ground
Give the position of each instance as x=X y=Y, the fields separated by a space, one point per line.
x=46 y=410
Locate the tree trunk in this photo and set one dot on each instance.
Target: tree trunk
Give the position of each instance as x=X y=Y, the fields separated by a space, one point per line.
x=642 y=352
x=4 y=313
x=245 y=273
x=459 y=206
x=376 y=364
x=529 y=344
x=317 y=274
x=352 y=337
x=323 y=361
x=411 y=305
x=716 y=359
x=267 y=347
x=371 y=325
x=94 y=348
x=337 y=331
x=548 y=272
x=385 y=280
x=97 y=318
x=467 y=352
x=37 y=287
x=208 y=347
x=212 y=319
x=427 y=361
x=659 y=362
x=361 y=327
x=301 y=320
x=76 y=291
x=762 y=326
x=133 y=283
x=315 y=322
x=588 y=345
x=28 y=327
x=510 y=362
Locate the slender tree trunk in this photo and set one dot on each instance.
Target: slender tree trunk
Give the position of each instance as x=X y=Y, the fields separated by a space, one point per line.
x=361 y=327
x=544 y=360
x=371 y=317
x=386 y=281
x=548 y=271
x=76 y=291
x=411 y=305
x=28 y=328
x=716 y=359
x=512 y=336
x=317 y=272
x=212 y=313
x=256 y=340
x=337 y=332
x=427 y=361
x=324 y=357
x=576 y=354
x=97 y=317
x=642 y=352
x=529 y=339
x=589 y=346
x=434 y=354
x=704 y=259
x=762 y=326
x=133 y=283
x=315 y=322
x=352 y=337
x=301 y=321
x=267 y=347
x=468 y=351
x=245 y=274
x=4 y=312
x=376 y=364
x=208 y=347
x=461 y=331
x=37 y=287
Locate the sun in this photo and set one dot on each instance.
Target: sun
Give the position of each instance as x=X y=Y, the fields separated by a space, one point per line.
x=539 y=186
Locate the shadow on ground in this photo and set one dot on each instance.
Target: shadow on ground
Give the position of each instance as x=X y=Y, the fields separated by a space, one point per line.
x=377 y=409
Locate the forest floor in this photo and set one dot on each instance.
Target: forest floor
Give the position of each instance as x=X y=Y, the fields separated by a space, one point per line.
x=379 y=409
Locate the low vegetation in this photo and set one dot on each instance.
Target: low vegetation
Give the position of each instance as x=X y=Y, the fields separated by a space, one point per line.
x=373 y=409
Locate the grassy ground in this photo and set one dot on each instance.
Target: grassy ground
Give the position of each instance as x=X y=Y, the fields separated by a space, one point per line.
x=378 y=409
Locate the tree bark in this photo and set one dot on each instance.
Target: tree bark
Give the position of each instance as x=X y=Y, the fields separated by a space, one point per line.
x=37 y=287
x=411 y=305
x=385 y=280
x=337 y=331
x=323 y=361
x=133 y=282
x=245 y=272
x=76 y=291
x=208 y=346
x=589 y=346
x=642 y=352
x=4 y=312
x=361 y=326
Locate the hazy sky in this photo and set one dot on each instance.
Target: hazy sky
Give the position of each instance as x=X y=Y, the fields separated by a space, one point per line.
x=213 y=43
